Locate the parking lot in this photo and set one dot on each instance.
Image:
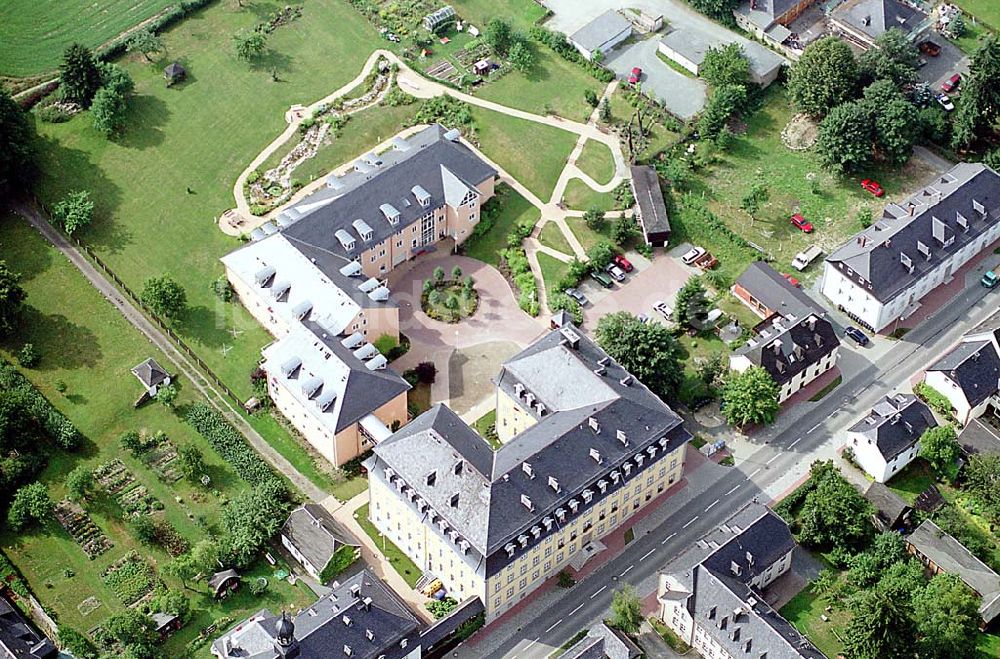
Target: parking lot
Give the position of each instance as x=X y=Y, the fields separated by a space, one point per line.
x=938 y=69
x=685 y=96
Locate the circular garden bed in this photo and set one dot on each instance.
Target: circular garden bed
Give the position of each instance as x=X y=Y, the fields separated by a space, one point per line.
x=449 y=300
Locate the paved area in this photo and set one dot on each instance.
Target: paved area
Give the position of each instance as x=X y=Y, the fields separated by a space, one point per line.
x=470 y=373
x=951 y=60
x=639 y=292
x=683 y=95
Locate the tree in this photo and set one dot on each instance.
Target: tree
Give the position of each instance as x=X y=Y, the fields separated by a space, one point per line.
x=146 y=42
x=205 y=556
x=116 y=78
x=725 y=66
x=825 y=76
x=957 y=25
x=879 y=627
x=866 y=568
x=17 y=145
x=108 y=111
x=144 y=529
x=440 y=608
x=939 y=447
x=946 y=613
x=133 y=630
x=690 y=305
x=893 y=58
x=754 y=199
x=600 y=255
x=131 y=441
x=845 y=137
x=626 y=610
x=604 y=111
x=31 y=503
x=894 y=130
x=439 y=274
x=251 y=519
x=722 y=104
x=499 y=36
x=249 y=45
x=182 y=567
x=833 y=513
x=79 y=78
x=167 y=394
x=982 y=480
x=74 y=211
x=720 y=10
x=28 y=356
x=80 y=483
x=12 y=298
x=521 y=57
x=594 y=219
x=646 y=350
x=624 y=230
x=456 y=273
x=710 y=370
x=978 y=108
x=173 y=602
x=751 y=397
x=590 y=96
x=191 y=461
x=164 y=296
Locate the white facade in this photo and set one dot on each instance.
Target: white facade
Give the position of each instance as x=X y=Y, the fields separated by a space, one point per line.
x=867 y=455
x=740 y=363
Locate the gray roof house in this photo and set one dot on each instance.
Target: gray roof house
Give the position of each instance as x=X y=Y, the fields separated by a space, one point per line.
x=18 y=637
x=312 y=536
x=885 y=440
x=603 y=642
x=863 y=21
x=688 y=46
x=768 y=19
x=979 y=437
x=788 y=347
x=891 y=511
x=766 y=291
x=969 y=374
x=652 y=213
x=942 y=553
x=601 y=34
x=151 y=374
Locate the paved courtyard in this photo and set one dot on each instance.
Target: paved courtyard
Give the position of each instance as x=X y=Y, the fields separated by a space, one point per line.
x=684 y=96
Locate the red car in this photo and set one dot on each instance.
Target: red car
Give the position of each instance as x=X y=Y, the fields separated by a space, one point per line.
x=802 y=224
x=791 y=280
x=951 y=83
x=635 y=75
x=872 y=187
x=623 y=263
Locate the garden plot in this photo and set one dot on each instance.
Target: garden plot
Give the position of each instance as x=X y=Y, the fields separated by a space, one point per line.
x=445 y=70
x=130 y=578
x=120 y=483
x=163 y=461
x=78 y=524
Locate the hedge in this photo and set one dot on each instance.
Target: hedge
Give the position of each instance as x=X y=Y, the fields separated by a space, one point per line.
x=230 y=444
x=558 y=42
x=936 y=400
x=56 y=426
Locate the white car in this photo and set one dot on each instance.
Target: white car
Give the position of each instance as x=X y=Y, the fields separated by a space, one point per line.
x=664 y=310
x=693 y=255
x=945 y=102
x=616 y=273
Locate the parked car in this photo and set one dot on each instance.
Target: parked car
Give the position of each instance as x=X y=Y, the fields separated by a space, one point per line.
x=692 y=255
x=791 y=280
x=951 y=84
x=805 y=257
x=945 y=101
x=989 y=279
x=616 y=273
x=872 y=187
x=928 y=47
x=577 y=295
x=601 y=279
x=801 y=223
x=856 y=335
x=635 y=76
x=664 y=310
x=623 y=263
x=642 y=318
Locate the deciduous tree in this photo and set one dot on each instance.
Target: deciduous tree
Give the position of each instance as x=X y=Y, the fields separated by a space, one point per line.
x=751 y=397
x=825 y=76
x=722 y=104
x=12 y=298
x=593 y=217
x=982 y=480
x=17 y=145
x=499 y=36
x=192 y=461
x=80 y=483
x=845 y=137
x=725 y=65
x=108 y=111
x=978 y=107
x=879 y=627
x=164 y=296
x=74 y=211
x=251 y=519
x=946 y=614
x=834 y=514
x=893 y=58
x=939 y=447
x=646 y=350
x=31 y=503
x=626 y=610
x=521 y=57
x=145 y=41
x=249 y=45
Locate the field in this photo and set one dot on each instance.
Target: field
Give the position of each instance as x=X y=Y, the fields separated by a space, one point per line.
x=552 y=236
x=587 y=236
x=34 y=33
x=86 y=345
x=552 y=271
x=804 y=611
x=987 y=11
x=580 y=196
x=597 y=162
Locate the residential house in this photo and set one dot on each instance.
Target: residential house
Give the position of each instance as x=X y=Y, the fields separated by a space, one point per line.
x=888 y=437
x=864 y=21
x=585 y=446
x=313 y=537
x=18 y=637
x=601 y=34
x=651 y=208
x=711 y=595
x=769 y=293
x=968 y=375
x=794 y=351
x=768 y=20
x=942 y=553
x=915 y=246
x=688 y=46
x=603 y=642
x=979 y=437
x=892 y=513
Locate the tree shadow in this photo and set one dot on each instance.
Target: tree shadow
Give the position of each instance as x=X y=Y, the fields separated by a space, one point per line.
x=205 y=325
x=29 y=263
x=147 y=113
x=62 y=343
x=272 y=60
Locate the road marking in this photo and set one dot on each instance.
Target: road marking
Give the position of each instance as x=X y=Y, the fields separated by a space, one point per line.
x=576 y=609
x=690 y=522
x=626 y=570
x=735 y=487
x=528 y=646
x=753 y=474
x=598 y=592
x=795 y=442
x=816 y=426
x=667 y=538
x=776 y=456
x=554 y=625
x=711 y=504
x=646 y=555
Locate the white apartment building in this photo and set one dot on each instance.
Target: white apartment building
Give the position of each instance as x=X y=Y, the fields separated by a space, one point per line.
x=888 y=437
x=969 y=375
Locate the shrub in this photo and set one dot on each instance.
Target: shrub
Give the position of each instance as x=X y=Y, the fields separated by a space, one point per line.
x=223 y=289
x=231 y=445
x=426 y=372
x=52 y=422
x=934 y=399
x=342 y=559
x=441 y=608
x=563 y=302
x=352 y=468
x=53 y=114
x=258 y=586
x=28 y=356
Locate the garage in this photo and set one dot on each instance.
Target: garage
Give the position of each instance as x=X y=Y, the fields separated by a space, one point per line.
x=601 y=34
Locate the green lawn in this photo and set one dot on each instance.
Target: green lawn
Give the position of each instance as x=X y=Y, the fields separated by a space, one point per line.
x=969 y=42
x=532 y=153
x=912 y=480
x=552 y=271
x=804 y=611
x=514 y=209
x=419 y=397
x=580 y=196
x=587 y=236
x=596 y=161
x=400 y=561
x=89 y=347
x=983 y=10
x=552 y=236
x=482 y=426
x=34 y=33
x=522 y=14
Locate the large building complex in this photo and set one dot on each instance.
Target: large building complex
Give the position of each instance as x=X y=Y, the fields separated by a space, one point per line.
x=315 y=279
x=584 y=447
x=882 y=273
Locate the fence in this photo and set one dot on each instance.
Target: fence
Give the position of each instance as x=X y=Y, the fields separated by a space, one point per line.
x=152 y=315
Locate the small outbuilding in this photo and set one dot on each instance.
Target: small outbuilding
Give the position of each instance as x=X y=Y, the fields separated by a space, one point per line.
x=892 y=513
x=223 y=583
x=601 y=34
x=152 y=376
x=165 y=623
x=174 y=72
x=440 y=19
x=319 y=544
x=688 y=46
x=652 y=209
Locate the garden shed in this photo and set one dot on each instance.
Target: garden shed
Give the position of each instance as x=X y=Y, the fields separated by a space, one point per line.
x=223 y=583
x=440 y=19
x=174 y=72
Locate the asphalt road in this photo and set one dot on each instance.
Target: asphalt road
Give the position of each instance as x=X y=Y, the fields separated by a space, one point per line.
x=789 y=450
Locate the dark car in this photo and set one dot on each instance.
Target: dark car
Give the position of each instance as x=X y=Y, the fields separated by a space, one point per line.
x=577 y=295
x=601 y=279
x=928 y=47
x=951 y=83
x=856 y=335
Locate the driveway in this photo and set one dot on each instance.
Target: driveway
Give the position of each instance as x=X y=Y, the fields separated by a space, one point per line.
x=639 y=292
x=938 y=69
x=684 y=96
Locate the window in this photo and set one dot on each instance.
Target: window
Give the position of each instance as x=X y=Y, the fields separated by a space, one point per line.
x=523 y=583
x=510 y=592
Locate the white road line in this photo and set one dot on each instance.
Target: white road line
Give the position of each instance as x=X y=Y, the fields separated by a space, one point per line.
x=646 y=555
x=795 y=442
x=528 y=646
x=626 y=570
x=554 y=625
x=598 y=592
x=816 y=426
x=735 y=487
x=690 y=522
x=753 y=474
x=773 y=458
x=576 y=609
x=665 y=540
x=711 y=504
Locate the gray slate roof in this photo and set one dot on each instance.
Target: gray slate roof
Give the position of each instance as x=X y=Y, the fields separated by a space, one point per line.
x=895 y=424
x=763 y=13
x=777 y=293
x=18 y=638
x=979 y=437
x=649 y=197
x=693 y=44
x=490 y=510
x=314 y=532
x=603 y=642
x=874 y=254
x=599 y=31
x=150 y=373
x=888 y=505
x=787 y=347
x=952 y=557
x=974 y=365
x=874 y=17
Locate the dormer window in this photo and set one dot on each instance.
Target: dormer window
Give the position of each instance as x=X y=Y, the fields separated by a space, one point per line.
x=596 y=455
x=422 y=196
x=554 y=483
x=431 y=478
x=526 y=468
x=365 y=231
x=390 y=213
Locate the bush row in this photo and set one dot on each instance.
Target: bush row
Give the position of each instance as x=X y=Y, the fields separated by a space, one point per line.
x=520 y=270
x=936 y=400
x=557 y=41
x=169 y=16
x=56 y=426
x=230 y=444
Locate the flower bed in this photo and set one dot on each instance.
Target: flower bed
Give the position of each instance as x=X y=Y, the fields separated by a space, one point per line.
x=449 y=300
